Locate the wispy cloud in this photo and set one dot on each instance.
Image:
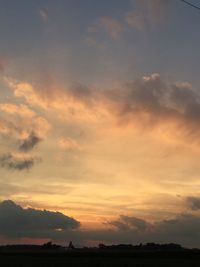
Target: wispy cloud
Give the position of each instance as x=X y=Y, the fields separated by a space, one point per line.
x=68 y=143
x=149 y=14
x=43 y=15
x=145 y=15
x=110 y=26
x=136 y=20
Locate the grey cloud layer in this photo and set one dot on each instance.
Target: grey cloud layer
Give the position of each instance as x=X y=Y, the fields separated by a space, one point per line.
x=16 y=222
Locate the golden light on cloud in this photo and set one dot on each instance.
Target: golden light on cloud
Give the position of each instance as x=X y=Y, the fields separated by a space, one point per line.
x=100 y=121
x=111 y=151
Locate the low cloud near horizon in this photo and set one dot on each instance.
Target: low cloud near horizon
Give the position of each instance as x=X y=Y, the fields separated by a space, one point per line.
x=17 y=222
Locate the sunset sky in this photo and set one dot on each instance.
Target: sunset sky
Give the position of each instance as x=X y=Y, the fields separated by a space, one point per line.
x=99 y=121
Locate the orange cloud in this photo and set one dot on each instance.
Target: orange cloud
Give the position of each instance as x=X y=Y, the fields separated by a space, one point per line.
x=72 y=102
x=21 y=121
x=21 y=110
x=171 y=109
x=69 y=144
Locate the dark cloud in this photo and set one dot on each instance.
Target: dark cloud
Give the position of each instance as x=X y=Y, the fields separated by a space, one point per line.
x=30 y=142
x=129 y=223
x=152 y=102
x=80 y=91
x=183 y=229
x=12 y=162
x=17 y=222
x=193 y=202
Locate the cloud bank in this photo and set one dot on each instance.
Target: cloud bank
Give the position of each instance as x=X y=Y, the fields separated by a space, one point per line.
x=17 y=222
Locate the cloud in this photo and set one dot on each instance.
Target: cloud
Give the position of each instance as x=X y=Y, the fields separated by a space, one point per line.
x=193 y=202
x=68 y=143
x=20 y=110
x=26 y=132
x=43 y=15
x=9 y=190
x=144 y=15
x=19 y=122
x=172 y=109
x=72 y=101
x=182 y=229
x=30 y=142
x=27 y=91
x=18 y=222
x=21 y=126
x=129 y=223
x=110 y=26
x=17 y=161
x=157 y=10
x=148 y=13
x=136 y=20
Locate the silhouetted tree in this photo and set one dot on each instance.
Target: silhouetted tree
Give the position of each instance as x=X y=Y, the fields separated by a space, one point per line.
x=70 y=246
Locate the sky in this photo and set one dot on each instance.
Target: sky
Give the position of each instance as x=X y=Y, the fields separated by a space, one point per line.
x=99 y=122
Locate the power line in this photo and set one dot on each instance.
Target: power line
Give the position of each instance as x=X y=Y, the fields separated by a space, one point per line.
x=190 y=4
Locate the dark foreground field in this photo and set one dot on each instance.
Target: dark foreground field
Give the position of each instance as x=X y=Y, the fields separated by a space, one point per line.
x=97 y=260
